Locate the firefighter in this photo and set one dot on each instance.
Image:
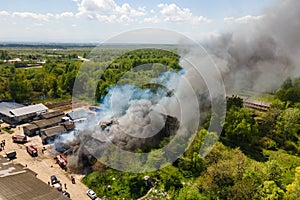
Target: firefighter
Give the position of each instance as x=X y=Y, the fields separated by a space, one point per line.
x=73 y=180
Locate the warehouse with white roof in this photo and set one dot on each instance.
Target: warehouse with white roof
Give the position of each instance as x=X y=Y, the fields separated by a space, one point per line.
x=14 y=113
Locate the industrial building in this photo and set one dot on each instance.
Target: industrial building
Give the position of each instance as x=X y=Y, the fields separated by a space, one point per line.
x=52 y=114
x=14 y=113
x=256 y=104
x=48 y=135
x=49 y=126
x=47 y=119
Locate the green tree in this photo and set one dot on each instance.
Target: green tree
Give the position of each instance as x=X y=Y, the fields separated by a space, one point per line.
x=289 y=91
x=293 y=189
x=274 y=172
x=269 y=191
x=170 y=178
x=20 y=90
x=287 y=126
x=240 y=125
x=223 y=173
x=4 y=55
x=190 y=193
x=234 y=101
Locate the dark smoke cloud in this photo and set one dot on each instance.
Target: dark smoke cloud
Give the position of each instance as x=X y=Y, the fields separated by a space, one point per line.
x=260 y=56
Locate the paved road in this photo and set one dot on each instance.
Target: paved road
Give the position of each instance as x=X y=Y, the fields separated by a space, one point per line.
x=42 y=164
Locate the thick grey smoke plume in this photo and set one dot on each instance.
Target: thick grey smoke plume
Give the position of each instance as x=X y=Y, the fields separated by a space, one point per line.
x=257 y=57
x=131 y=118
x=260 y=56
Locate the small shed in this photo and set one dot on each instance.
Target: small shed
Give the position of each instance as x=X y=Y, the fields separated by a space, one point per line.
x=31 y=130
x=55 y=113
x=69 y=125
x=46 y=123
x=49 y=134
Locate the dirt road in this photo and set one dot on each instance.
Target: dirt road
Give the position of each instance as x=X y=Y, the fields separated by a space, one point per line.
x=44 y=165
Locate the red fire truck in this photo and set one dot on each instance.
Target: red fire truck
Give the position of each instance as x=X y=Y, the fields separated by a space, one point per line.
x=61 y=161
x=32 y=150
x=19 y=138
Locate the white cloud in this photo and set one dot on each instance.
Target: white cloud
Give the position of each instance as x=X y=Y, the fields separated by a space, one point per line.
x=143 y=9
x=4 y=13
x=87 y=6
x=128 y=10
x=106 y=18
x=30 y=15
x=108 y=10
x=37 y=16
x=244 y=19
x=153 y=20
x=65 y=15
x=173 y=13
x=124 y=18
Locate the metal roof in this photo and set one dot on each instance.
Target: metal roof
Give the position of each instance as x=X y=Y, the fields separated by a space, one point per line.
x=257 y=102
x=50 y=132
x=29 y=109
x=47 y=122
x=80 y=113
x=6 y=107
x=54 y=113
x=30 y=127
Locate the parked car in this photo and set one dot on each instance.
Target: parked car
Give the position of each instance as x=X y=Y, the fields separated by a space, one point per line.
x=67 y=194
x=91 y=194
x=58 y=186
x=53 y=179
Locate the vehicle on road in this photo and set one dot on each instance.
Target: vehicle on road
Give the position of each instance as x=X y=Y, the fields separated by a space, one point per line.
x=61 y=161
x=11 y=155
x=67 y=194
x=91 y=194
x=58 y=186
x=53 y=179
x=18 y=138
x=32 y=150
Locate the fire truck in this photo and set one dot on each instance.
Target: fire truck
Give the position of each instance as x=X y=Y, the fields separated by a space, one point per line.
x=32 y=150
x=61 y=161
x=19 y=138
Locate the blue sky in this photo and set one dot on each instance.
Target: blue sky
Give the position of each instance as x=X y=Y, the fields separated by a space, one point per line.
x=98 y=20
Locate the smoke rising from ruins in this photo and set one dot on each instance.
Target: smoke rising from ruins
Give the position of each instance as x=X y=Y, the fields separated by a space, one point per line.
x=258 y=57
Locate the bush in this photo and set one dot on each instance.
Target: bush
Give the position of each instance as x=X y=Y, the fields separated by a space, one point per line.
x=268 y=143
x=291 y=147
